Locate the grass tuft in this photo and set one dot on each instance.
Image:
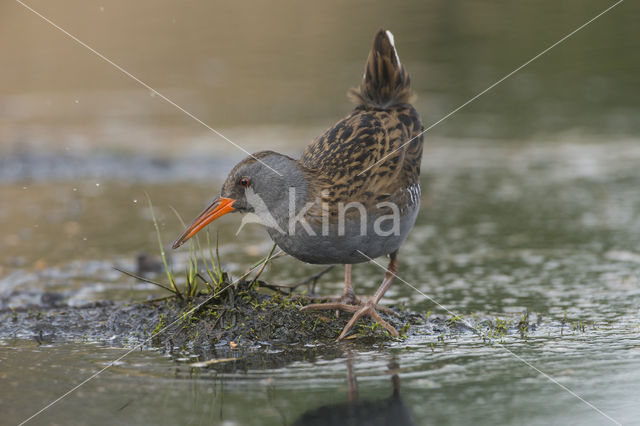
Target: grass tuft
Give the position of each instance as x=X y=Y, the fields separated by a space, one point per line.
x=195 y=284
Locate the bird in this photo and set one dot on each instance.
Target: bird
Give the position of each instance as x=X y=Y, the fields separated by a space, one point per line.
x=354 y=193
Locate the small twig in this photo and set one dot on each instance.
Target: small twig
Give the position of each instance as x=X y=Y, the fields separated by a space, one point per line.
x=143 y=279
x=157 y=299
x=313 y=279
x=274 y=287
x=278 y=287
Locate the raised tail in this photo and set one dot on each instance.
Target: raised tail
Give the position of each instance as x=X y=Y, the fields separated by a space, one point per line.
x=385 y=81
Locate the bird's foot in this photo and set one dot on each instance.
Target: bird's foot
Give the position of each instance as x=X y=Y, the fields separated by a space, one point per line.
x=359 y=309
x=367 y=309
x=345 y=303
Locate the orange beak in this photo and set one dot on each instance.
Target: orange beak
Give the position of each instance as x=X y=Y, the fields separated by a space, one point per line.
x=219 y=207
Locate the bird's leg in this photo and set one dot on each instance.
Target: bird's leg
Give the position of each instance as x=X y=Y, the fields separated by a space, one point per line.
x=348 y=295
x=348 y=302
x=358 y=307
x=369 y=308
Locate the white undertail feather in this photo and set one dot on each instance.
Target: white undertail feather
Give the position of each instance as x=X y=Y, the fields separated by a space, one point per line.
x=391 y=40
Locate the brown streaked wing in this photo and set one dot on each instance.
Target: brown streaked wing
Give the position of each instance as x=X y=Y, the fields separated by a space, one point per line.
x=358 y=141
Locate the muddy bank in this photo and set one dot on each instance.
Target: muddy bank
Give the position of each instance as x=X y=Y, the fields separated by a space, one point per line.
x=239 y=320
x=245 y=314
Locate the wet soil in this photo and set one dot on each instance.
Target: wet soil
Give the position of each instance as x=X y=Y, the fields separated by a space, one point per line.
x=239 y=318
x=245 y=315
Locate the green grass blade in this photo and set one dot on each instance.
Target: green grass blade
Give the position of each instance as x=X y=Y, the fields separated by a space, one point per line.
x=162 y=253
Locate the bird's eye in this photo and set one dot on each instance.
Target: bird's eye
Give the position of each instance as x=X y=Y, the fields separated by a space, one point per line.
x=244 y=181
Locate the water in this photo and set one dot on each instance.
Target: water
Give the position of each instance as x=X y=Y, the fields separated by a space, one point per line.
x=530 y=203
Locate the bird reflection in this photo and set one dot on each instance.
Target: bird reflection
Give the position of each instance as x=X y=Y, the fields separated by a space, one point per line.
x=373 y=412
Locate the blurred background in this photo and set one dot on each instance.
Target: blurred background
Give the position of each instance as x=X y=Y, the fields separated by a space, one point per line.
x=272 y=74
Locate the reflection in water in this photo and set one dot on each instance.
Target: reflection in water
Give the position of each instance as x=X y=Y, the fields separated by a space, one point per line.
x=385 y=411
